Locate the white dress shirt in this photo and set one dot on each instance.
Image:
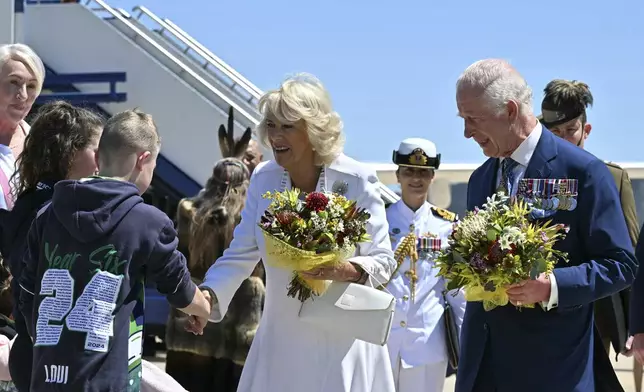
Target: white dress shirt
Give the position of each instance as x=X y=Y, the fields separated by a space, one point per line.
x=522 y=156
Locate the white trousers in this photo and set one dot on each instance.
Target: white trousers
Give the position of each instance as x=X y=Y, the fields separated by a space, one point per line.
x=426 y=378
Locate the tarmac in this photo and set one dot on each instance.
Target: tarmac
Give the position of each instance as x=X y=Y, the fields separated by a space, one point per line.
x=623 y=367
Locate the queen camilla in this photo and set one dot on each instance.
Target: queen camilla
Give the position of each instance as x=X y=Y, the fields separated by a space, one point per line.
x=287 y=354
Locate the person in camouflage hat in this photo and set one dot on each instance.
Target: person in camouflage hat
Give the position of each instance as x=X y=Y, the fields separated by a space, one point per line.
x=563 y=111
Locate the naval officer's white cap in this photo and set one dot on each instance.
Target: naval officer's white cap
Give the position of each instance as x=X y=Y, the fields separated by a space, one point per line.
x=417 y=152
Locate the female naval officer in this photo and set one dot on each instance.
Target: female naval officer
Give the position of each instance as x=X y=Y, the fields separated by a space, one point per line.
x=418 y=344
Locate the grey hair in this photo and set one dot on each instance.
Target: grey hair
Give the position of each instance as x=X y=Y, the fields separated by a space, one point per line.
x=27 y=56
x=303 y=97
x=499 y=83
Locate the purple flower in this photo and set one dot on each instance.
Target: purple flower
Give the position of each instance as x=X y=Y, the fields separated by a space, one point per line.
x=477 y=262
x=544 y=236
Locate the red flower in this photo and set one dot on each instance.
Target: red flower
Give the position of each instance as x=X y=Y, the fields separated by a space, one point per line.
x=316 y=201
x=513 y=249
x=494 y=253
x=285 y=218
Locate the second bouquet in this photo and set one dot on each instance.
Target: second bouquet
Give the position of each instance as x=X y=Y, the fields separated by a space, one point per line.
x=499 y=245
x=307 y=231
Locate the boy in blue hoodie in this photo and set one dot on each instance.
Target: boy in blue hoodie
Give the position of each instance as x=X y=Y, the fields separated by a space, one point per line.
x=89 y=255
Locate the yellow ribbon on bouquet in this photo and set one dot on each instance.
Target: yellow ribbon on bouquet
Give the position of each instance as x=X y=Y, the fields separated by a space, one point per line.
x=282 y=255
x=490 y=299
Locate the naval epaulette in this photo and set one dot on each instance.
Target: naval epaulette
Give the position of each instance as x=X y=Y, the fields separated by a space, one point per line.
x=444 y=214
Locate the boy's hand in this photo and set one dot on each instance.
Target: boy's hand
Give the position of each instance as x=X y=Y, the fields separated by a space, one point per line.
x=196 y=323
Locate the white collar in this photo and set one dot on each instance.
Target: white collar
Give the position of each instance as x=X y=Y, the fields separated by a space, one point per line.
x=523 y=153
x=410 y=215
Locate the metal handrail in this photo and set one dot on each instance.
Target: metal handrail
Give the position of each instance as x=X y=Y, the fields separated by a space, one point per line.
x=230 y=77
x=116 y=14
x=388 y=194
x=216 y=59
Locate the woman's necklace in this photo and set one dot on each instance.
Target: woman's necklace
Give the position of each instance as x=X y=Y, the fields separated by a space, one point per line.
x=321 y=185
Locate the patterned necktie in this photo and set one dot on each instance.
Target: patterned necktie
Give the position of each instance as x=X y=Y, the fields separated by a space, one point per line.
x=507 y=176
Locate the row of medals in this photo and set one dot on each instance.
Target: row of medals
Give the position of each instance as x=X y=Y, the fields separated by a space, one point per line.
x=558 y=202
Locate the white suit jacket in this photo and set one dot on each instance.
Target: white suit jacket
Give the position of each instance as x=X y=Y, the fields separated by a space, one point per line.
x=247 y=246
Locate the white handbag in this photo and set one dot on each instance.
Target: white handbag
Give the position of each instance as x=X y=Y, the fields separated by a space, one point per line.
x=352 y=310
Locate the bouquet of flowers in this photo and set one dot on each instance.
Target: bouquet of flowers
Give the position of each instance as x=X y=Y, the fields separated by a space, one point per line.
x=320 y=230
x=499 y=245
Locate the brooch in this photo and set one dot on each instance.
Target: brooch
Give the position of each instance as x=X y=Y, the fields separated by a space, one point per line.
x=340 y=187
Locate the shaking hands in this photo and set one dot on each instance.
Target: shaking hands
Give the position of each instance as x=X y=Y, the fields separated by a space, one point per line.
x=199 y=311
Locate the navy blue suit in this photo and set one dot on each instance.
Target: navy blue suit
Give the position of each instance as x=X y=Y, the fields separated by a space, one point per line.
x=637 y=292
x=531 y=350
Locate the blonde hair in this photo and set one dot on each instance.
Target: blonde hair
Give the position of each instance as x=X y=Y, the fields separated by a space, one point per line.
x=303 y=97
x=27 y=56
x=128 y=132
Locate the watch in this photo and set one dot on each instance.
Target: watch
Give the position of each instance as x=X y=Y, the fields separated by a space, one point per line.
x=363 y=275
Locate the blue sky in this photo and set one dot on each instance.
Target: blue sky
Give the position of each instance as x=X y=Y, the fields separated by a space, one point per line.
x=391 y=67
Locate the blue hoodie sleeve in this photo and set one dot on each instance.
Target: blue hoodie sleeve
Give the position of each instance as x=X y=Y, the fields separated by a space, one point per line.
x=28 y=276
x=168 y=270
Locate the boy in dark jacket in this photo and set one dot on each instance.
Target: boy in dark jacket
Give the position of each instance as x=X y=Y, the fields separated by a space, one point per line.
x=89 y=255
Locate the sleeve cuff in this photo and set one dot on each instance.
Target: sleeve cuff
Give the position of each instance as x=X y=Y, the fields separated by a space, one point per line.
x=215 y=311
x=183 y=295
x=368 y=266
x=554 y=294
